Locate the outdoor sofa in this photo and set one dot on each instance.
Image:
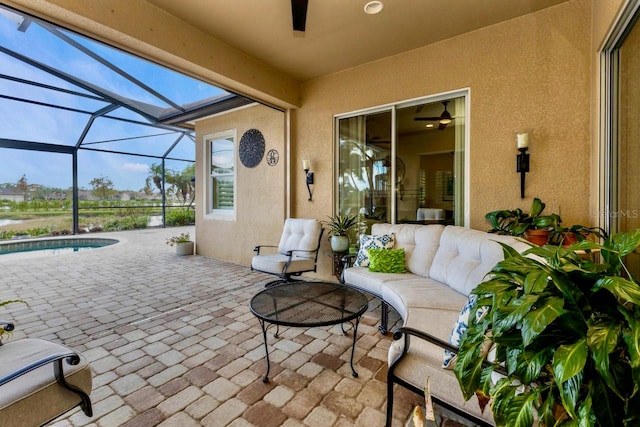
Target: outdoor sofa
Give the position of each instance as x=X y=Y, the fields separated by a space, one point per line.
x=443 y=264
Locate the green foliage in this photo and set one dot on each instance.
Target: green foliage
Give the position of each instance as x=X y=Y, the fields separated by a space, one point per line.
x=566 y=336
x=182 y=238
x=102 y=187
x=339 y=225
x=179 y=217
x=178 y=184
x=516 y=222
x=3 y=332
x=131 y=222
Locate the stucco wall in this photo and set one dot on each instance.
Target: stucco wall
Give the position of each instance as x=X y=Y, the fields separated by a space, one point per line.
x=260 y=203
x=538 y=71
x=532 y=72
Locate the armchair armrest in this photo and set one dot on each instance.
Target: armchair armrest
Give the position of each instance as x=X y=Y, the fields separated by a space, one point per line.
x=7 y=325
x=407 y=332
x=71 y=358
x=256 y=249
x=19 y=358
x=348 y=259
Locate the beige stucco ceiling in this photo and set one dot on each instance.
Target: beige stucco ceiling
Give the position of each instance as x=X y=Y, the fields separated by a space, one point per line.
x=339 y=35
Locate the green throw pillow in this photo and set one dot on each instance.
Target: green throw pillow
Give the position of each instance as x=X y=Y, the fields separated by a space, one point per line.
x=386 y=260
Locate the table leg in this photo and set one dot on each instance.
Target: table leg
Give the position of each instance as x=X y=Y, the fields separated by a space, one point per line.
x=353 y=348
x=265 y=379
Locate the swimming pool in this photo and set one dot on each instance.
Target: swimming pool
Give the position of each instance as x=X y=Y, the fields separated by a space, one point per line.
x=55 y=246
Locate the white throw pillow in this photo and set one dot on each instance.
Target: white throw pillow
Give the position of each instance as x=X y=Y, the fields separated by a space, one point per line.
x=382 y=241
x=461 y=325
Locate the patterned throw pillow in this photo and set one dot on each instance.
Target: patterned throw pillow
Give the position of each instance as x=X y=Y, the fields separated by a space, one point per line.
x=386 y=260
x=449 y=358
x=383 y=241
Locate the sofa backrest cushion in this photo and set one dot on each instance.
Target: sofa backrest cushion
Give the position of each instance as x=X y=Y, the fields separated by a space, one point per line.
x=420 y=243
x=465 y=256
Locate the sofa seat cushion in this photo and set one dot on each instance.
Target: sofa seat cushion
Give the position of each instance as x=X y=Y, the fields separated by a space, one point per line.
x=419 y=292
x=36 y=395
x=276 y=262
x=369 y=281
x=424 y=360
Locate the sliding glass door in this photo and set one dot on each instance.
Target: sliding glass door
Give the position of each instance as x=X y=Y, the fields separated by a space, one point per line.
x=620 y=209
x=403 y=163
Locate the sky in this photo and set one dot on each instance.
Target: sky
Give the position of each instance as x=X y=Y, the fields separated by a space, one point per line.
x=40 y=123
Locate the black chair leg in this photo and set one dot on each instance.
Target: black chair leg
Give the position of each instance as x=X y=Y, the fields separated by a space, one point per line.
x=389 y=403
x=384 y=318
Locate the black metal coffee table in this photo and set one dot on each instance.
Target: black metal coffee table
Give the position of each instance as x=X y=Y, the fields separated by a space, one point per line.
x=308 y=304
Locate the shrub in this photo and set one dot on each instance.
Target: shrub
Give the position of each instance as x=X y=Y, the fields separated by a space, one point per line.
x=180 y=217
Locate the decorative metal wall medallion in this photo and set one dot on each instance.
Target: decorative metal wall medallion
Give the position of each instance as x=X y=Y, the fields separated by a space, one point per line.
x=272 y=157
x=251 y=148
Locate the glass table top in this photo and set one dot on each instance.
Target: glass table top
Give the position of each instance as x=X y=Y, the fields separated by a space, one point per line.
x=308 y=304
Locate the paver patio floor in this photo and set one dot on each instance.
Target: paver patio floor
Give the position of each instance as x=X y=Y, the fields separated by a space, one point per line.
x=172 y=342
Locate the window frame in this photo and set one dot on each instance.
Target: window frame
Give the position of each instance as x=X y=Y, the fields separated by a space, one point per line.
x=608 y=138
x=462 y=160
x=211 y=212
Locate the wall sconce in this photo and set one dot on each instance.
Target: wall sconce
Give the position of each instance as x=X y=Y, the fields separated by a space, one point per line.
x=522 y=159
x=306 y=165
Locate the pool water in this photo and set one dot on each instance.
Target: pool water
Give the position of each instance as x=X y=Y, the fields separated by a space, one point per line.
x=55 y=246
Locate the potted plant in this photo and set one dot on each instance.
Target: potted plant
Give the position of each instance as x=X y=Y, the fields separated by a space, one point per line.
x=567 y=236
x=564 y=332
x=183 y=244
x=339 y=226
x=534 y=226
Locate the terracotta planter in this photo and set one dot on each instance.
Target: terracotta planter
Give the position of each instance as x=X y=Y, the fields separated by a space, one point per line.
x=569 y=239
x=538 y=237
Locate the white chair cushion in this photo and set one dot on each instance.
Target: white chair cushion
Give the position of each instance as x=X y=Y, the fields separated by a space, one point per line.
x=276 y=262
x=425 y=214
x=300 y=235
x=36 y=397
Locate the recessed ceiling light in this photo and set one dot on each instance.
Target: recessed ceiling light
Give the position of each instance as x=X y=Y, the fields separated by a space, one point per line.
x=429 y=125
x=373 y=7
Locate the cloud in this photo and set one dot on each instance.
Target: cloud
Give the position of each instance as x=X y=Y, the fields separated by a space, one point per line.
x=135 y=167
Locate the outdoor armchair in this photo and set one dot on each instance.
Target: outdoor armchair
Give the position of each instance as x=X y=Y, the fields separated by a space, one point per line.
x=297 y=251
x=41 y=380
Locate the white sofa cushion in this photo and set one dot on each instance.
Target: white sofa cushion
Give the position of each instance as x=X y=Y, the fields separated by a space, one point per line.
x=368 y=281
x=465 y=256
x=415 y=291
x=420 y=243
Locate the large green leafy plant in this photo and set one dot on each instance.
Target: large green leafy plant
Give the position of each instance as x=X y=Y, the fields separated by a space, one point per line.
x=516 y=222
x=565 y=338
